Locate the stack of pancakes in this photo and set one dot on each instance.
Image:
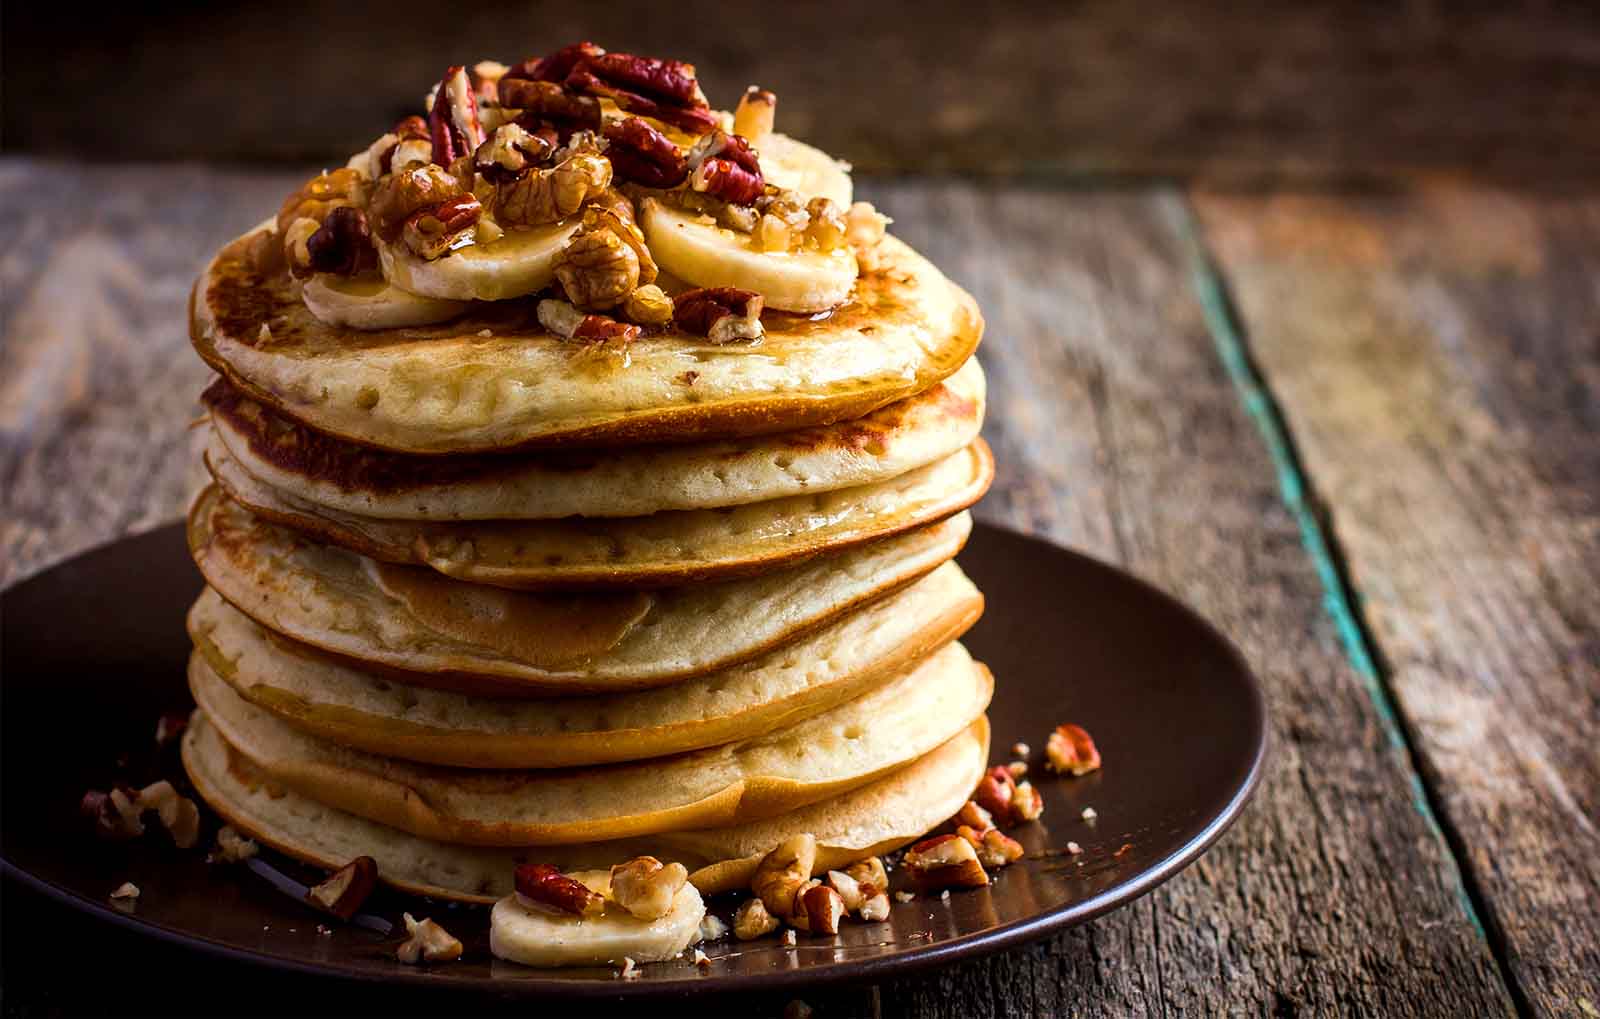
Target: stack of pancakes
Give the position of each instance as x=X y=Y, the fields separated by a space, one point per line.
x=474 y=601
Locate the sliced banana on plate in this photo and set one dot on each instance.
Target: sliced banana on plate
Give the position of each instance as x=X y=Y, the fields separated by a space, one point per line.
x=526 y=932
x=521 y=262
x=699 y=252
x=373 y=303
x=810 y=171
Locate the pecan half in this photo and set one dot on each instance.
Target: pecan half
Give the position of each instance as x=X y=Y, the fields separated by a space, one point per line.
x=556 y=66
x=607 y=213
x=721 y=314
x=544 y=100
x=1070 y=749
x=640 y=153
x=453 y=122
x=403 y=192
x=725 y=166
x=431 y=232
x=945 y=861
x=690 y=119
x=546 y=885
x=670 y=80
x=343 y=244
x=603 y=329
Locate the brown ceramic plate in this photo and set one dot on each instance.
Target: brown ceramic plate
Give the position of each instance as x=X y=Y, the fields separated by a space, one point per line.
x=93 y=652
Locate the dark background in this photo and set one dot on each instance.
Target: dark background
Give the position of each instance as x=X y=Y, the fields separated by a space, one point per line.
x=1228 y=93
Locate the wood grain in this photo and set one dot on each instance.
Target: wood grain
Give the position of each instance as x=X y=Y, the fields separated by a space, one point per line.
x=1226 y=91
x=1117 y=431
x=1437 y=355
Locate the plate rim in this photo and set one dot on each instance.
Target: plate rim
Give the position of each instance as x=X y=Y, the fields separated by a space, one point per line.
x=912 y=959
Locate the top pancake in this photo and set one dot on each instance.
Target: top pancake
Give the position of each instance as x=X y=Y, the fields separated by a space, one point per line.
x=452 y=389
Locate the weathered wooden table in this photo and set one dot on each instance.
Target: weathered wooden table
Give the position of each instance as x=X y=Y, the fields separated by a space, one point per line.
x=1361 y=433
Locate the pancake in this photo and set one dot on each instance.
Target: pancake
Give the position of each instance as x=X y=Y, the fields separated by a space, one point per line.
x=486 y=639
x=318 y=470
x=874 y=819
x=660 y=550
x=496 y=380
x=823 y=756
x=333 y=700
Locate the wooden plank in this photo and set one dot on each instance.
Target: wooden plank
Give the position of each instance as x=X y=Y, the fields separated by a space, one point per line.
x=1117 y=431
x=1229 y=91
x=1436 y=354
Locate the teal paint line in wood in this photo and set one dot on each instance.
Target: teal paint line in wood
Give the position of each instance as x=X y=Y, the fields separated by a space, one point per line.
x=1228 y=337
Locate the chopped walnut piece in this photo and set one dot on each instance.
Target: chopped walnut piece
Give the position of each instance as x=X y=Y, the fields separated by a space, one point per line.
x=126 y=890
x=178 y=814
x=321 y=195
x=754 y=116
x=825 y=229
x=997 y=849
x=232 y=847
x=976 y=816
x=560 y=317
x=546 y=885
x=701 y=959
x=712 y=928
x=115 y=814
x=547 y=196
x=1027 y=804
x=297 y=246
x=995 y=792
x=404 y=192
x=508 y=152
x=904 y=896
x=426 y=941
x=819 y=909
x=648 y=305
x=646 y=887
x=597 y=269
x=170 y=726
x=781 y=873
x=787 y=938
x=864 y=229
x=1071 y=750
x=346 y=889
x=874 y=905
x=849 y=889
x=945 y=861
x=1017 y=769
x=753 y=920
x=629 y=970
x=869 y=872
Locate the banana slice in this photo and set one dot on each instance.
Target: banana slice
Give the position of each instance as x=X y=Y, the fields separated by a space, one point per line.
x=703 y=254
x=371 y=303
x=520 y=931
x=521 y=262
x=812 y=172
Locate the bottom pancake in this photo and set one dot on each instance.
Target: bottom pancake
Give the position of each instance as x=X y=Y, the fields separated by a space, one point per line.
x=843 y=748
x=867 y=821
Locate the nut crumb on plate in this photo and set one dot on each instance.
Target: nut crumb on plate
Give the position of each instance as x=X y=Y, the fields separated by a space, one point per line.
x=126 y=890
